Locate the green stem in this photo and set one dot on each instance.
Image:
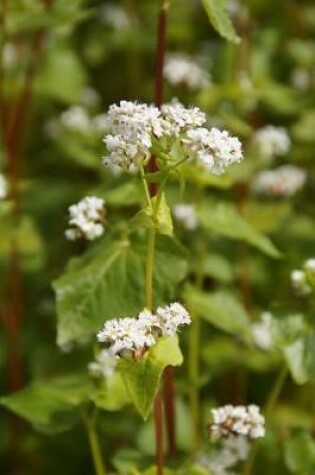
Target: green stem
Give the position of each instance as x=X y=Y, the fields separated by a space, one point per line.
x=149 y=269
x=193 y=368
x=269 y=406
x=194 y=351
x=145 y=186
x=94 y=446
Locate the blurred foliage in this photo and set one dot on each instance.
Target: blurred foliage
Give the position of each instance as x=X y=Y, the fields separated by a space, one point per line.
x=235 y=266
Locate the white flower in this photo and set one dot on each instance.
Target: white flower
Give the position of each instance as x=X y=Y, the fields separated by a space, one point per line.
x=214 y=150
x=185 y=214
x=126 y=335
x=310 y=264
x=171 y=317
x=3 y=187
x=286 y=180
x=130 y=128
x=242 y=420
x=301 y=79
x=272 y=141
x=76 y=119
x=90 y=97
x=233 y=450
x=261 y=331
x=103 y=366
x=299 y=282
x=10 y=55
x=177 y=118
x=181 y=69
x=115 y=17
x=134 y=131
x=86 y=219
x=135 y=335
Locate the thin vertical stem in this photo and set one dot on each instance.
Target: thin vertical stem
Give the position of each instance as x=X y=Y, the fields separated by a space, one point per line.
x=158 y=419
x=169 y=383
x=94 y=446
x=193 y=368
x=150 y=269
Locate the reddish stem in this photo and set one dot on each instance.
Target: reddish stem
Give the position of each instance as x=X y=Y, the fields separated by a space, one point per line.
x=158 y=418
x=169 y=384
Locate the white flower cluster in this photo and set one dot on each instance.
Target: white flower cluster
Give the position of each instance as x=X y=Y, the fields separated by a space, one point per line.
x=134 y=335
x=285 y=181
x=181 y=69
x=76 y=119
x=86 y=219
x=185 y=214
x=242 y=420
x=103 y=366
x=3 y=187
x=214 y=150
x=234 y=449
x=115 y=17
x=133 y=129
x=303 y=280
x=262 y=331
x=272 y=141
x=178 y=119
x=303 y=79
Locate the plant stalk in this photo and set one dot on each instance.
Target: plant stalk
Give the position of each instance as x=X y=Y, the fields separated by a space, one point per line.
x=194 y=369
x=95 y=447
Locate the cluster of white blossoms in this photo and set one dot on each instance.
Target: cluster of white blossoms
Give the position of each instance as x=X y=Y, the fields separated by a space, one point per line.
x=182 y=70
x=234 y=449
x=3 y=187
x=303 y=79
x=303 y=280
x=272 y=141
x=133 y=336
x=185 y=214
x=104 y=365
x=86 y=219
x=233 y=420
x=214 y=150
x=77 y=119
x=115 y=17
x=284 y=181
x=134 y=130
x=262 y=331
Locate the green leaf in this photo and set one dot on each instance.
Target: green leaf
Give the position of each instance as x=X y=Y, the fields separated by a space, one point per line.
x=193 y=174
x=110 y=281
x=66 y=87
x=111 y=394
x=30 y=16
x=217 y=11
x=221 y=309
x=215 y=266
x=296 y=341
x=126 y=194
x=267 y=217
x=162 y=222
x=223 y=219
x=50 y=406
x=142 y=377
x=299 y=453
